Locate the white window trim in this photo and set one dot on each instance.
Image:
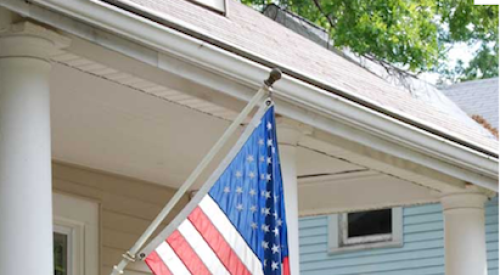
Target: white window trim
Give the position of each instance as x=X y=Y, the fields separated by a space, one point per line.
x=219 y=6
x=338 y=242
x=78 y=219
x=75 y=249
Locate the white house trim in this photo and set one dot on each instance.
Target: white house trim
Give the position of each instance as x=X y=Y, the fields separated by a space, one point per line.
x=78 y=219
x=195 y=49
x=377 y=129
x=320 y=102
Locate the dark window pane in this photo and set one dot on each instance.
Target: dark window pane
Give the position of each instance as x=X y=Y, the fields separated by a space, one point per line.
x=369 y=223
x=60 y=254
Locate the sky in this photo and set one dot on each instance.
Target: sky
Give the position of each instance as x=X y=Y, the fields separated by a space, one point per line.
x=459 y=51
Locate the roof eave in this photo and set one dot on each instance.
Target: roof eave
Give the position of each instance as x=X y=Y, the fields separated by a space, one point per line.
x=291 y=89
x=192 y=31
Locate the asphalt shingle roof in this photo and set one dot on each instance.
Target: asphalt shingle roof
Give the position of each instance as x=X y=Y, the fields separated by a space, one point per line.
x=254 y=33
x=478 y=97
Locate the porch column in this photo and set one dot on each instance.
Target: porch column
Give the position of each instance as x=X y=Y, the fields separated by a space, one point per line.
x=464 y=233
x=25 y=155
x=289 y=134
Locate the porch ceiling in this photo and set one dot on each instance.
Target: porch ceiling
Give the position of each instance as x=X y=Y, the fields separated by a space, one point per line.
x=107 y=126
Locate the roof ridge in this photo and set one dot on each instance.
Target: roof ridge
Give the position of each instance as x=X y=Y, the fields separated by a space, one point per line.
x=469 y=82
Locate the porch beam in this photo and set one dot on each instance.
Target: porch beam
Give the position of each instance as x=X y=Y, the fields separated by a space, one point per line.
x=25 y=151
x=383 y=162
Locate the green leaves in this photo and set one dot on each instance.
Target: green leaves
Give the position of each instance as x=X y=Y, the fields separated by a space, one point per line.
x=414 y=34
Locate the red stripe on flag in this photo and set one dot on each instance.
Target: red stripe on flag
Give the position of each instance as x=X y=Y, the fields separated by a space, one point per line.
x=286 y=266
x=187 y=255
x=156 y=264
x=217 y=242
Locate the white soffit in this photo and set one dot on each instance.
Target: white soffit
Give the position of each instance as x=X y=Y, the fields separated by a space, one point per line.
x=102 y=71
x=311 y=163
x=113 y=121
x=99 y=124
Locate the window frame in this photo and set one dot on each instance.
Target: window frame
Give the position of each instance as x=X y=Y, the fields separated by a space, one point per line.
x=339 y=242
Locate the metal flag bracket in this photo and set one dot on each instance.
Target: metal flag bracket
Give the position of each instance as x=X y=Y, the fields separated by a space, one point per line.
x=274 y=76
x=266 y=89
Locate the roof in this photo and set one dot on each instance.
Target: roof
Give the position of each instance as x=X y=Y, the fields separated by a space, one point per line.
x=478 y=97
x=417 y=88
x=251 y=32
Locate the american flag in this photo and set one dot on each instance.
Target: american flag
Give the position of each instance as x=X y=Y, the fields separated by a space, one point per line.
x=238 y=227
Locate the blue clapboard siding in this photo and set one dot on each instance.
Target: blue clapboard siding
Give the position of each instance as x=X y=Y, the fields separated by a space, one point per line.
x=421 y=254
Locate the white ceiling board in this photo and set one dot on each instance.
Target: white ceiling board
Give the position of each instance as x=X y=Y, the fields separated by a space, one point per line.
x=311 y=163
x=106 y=126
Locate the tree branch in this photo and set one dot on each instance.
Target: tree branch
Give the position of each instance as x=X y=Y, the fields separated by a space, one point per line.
x=327 y=16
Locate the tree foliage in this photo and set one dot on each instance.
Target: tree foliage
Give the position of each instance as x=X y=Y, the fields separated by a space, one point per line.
x=414 y=34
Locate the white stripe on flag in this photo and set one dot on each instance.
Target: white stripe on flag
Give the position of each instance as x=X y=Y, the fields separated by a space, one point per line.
x=173 y=262
x=201 y=248
x=231 y=235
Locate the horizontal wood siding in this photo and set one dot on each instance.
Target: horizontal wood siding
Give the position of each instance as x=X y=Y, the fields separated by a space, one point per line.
x=422 y=253
x=492 y=236
x=127 y=207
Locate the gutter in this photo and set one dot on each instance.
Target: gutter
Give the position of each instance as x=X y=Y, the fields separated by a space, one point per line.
x=324 y=109
x=172 y=23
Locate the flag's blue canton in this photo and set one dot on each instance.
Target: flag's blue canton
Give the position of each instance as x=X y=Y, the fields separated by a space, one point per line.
x=250 y=193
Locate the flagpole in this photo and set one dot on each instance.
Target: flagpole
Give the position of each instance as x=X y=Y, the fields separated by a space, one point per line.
x=130 y=256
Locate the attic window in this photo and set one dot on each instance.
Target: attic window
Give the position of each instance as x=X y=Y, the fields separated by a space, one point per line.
x=367 y=226
x=216 y=5
x=365 y=230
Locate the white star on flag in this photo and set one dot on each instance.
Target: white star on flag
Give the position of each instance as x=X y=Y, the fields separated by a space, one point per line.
x=265 y=228
x=238 y=174
x=269 y=142
x=275 y=248
x=265 y=211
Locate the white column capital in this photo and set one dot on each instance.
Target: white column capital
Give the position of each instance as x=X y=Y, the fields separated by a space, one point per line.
x=27 y=39
x=463 y=200
x=290 y=131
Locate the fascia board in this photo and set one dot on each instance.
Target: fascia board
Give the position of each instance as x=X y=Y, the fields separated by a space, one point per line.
x=296 y=73
x=289 y=89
